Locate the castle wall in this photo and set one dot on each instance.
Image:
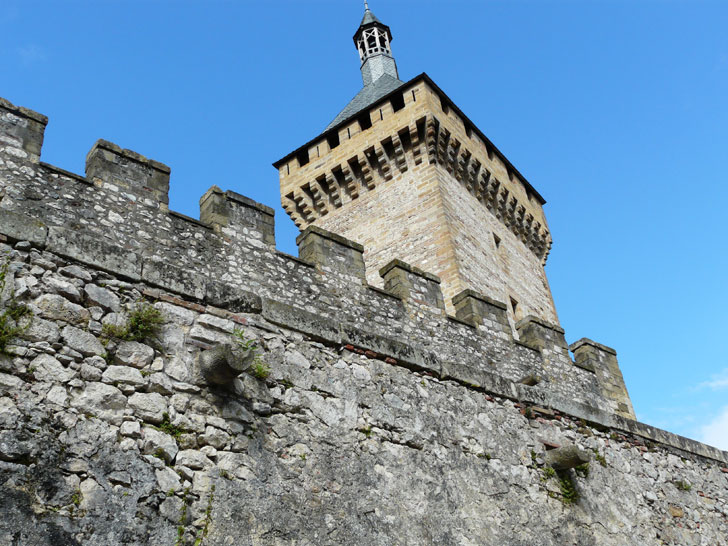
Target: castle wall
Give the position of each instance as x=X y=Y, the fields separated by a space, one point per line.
x=105 y=441
x=383 y=420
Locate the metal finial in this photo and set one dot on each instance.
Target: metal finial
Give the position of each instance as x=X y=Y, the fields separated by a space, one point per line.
x=366 y=5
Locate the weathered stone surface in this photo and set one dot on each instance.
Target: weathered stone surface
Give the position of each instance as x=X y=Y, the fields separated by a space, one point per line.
x=42 y=330
x=133 y=353
x=100 y=399
x=193 y=459
x=47 y=368
x=124 y=375
x=214 y=437
x=158 y=443
x=10 y=383
x=64 y=288
x=55 y=307
x=104 y=298
x=76 y=272
x=130 y=428
x=168 y=480
x=84 y=342
x=149 y=407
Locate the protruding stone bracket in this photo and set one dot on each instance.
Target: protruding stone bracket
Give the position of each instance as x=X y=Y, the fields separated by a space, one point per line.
x=479 y=310
x=541 y=335
x=564 y=458
x=109 y=164
x=238 y=216
x=602 y=360
x=21 y=131
x=329 y=251
x=221 y=364
x=412 y=284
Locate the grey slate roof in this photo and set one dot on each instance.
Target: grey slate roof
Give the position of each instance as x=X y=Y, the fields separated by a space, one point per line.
x=366 y=97
x=369 y=17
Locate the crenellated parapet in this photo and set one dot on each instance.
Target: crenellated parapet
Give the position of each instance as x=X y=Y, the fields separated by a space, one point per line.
x=228 y=260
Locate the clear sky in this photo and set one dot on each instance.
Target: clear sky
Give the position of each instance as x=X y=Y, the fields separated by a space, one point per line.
x=615 y=111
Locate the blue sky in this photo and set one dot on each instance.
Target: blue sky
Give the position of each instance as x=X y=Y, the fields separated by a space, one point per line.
x=616 y=111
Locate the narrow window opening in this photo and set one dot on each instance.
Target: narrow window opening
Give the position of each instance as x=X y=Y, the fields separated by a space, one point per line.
x=288 y=168
x=302 y=157
x=516 y=309
x=397 y=102
x=365 y=121
x=381 y=115
x=333 y=140
x=318 y=154
x=444 y=105
x=497 y=241
x=414 y=98
x=348 y=132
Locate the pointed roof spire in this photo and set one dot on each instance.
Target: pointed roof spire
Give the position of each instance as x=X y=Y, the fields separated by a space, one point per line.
x=369 y=17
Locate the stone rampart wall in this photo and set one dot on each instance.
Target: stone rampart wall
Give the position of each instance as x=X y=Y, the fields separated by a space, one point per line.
x=381 y=421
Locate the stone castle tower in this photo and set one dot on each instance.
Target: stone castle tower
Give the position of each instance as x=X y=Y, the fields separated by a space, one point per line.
x=402 y=170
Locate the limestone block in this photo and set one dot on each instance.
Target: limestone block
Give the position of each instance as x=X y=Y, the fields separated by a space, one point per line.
x=150 y=407
x=124 y=375
x=55 y=307
x=104 y=401
x=103 y=297
x=84 y=342
x=158 y=443
x=48 y=369
x=133 y=353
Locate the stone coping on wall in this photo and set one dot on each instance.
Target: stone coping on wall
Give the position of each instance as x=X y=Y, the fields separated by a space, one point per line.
x=128 y=154
x=22 y=111
x=470 y=293
x=586 y=341
x=331 y=236
x=535 y=320
x=410 y=269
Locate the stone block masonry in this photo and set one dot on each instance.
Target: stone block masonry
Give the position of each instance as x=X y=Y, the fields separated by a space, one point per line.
x=380 y=420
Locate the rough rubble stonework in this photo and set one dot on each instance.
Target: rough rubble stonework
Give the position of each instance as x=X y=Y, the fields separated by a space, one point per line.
x=369 y=416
